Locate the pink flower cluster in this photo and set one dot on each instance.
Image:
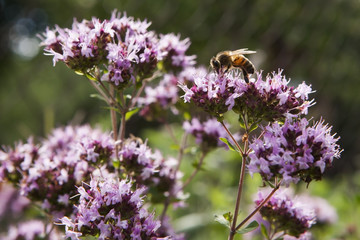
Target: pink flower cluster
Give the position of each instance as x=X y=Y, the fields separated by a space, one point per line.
x=49 y=171
x=125 y=46
x=294 y=151
x=110 y=209
x=262 y=99
x=285 y=214
x=165 y=94
x=207 y=133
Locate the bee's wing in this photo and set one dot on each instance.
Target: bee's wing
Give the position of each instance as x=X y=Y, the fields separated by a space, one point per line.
x=242 y=51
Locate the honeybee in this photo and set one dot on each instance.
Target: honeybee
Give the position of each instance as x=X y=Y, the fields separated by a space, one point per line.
x=226 y=60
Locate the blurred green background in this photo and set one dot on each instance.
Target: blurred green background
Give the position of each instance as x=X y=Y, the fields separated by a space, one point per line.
x=316 y=41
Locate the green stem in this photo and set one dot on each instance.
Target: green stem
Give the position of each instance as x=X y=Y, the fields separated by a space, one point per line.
x=259 y=206
x=123 y=112
x=48 y=231
x=102 y=93
x=238 y=198
x=171 y=132
x=115 y=102
x=136 y=94
x=113 y=113
x=195 y=171
x=134 y=99
x=122 y=127
x=166 y=206
x=181 y=153
x=179 y=158
x=108 y=95
x=232 y=138
x=241 y=181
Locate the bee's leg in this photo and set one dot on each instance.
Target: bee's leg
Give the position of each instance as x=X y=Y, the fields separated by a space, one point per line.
x=228 y=67
x=246 y=76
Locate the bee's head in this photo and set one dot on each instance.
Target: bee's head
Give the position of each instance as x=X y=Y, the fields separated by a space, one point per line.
x=215 y=64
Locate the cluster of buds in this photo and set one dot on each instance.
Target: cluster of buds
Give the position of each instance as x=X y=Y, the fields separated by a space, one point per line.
x=207 y=133
x=49 y=171
x=285 y=214
x=173 y=52
x=110 y=209
x=157 y=100
x=165 y=94
x=125 y=46
x=262 y=99
x=294 y=151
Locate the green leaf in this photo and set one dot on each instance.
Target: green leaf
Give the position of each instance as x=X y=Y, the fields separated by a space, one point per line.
x=242 y=123
x=160 y=65
x=98 y=96
x=270 y=184
x=79 y=72
x=138 y=83
x=90 y=77
x=116 y=164
x=264 y=231
x=253 y=127
x=196 y=165
x=187 y=116
x=228 y=216
x=112 y=108
x=130 y=113
x=231 y=147
x=281 y=121
x=252 y=226
x=220 y=118
x=222 y=220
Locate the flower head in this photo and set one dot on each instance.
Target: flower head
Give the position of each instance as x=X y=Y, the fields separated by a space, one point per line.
x=209 y=92
x=262 y=99
x=111 y=209
x=167 y=230
x=160 y=98
x=48 y=172
x=121 y=48
x=294 y=151
x=325 y=213
x=286 y=214
x=165 y=94
x=207 y=133
x=173 y=52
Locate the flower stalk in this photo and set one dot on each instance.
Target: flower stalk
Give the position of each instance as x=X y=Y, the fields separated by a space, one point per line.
x=241 y=180
x=257 y=209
